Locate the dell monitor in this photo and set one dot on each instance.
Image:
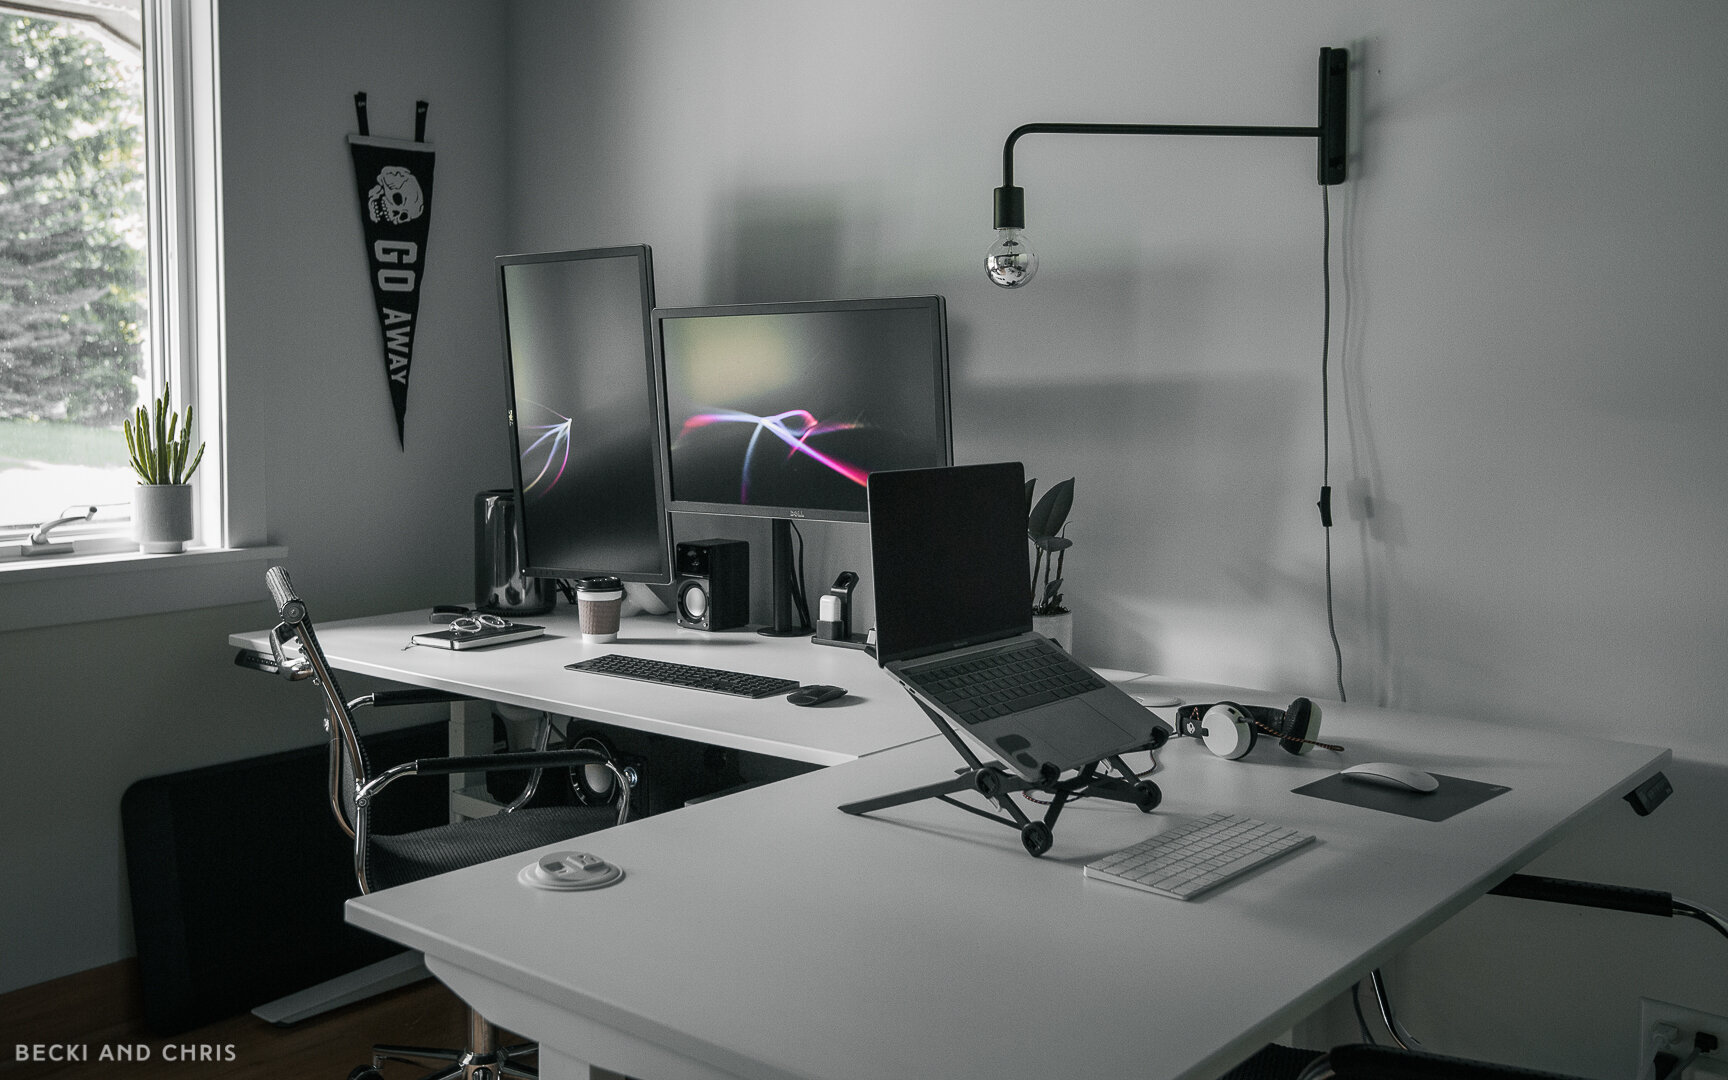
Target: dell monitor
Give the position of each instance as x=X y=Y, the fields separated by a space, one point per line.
x=584 y=418
x=782 y=411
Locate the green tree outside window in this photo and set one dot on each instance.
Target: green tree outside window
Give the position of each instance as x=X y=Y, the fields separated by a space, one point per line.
x=73 y=310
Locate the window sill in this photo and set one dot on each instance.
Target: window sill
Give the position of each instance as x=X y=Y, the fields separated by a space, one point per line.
x=88 y=588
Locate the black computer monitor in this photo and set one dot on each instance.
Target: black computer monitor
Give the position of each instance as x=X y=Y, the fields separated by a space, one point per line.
x=782 y=411
x=585 y=436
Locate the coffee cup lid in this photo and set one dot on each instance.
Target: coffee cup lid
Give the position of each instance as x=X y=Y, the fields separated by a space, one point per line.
x=600 y=583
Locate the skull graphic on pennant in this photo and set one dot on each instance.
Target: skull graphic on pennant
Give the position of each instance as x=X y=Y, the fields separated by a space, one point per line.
x=396 y=197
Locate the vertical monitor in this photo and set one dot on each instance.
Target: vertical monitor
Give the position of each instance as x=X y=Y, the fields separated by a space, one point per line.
x=784 y=410
x=585 y=439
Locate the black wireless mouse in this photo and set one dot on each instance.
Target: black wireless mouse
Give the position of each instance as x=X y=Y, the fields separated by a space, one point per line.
x=815 y=695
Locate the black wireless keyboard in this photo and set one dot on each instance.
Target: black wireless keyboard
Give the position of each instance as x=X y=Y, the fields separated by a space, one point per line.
x=685 y=675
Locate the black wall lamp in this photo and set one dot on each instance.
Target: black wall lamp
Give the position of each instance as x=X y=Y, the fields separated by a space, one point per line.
x=1011 y=262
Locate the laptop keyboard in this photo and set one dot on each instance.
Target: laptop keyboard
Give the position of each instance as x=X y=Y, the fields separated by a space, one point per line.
x=1191 y=858
x=983 y=686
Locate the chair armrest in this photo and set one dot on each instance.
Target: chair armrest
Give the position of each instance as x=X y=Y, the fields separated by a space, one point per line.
x=538 y=759
x=384 y=699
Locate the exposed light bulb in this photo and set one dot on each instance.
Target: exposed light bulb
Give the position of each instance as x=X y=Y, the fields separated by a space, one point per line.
x=1011 y=262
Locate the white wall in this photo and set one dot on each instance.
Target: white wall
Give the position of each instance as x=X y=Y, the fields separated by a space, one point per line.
x=90 y=708
x=1527 y=378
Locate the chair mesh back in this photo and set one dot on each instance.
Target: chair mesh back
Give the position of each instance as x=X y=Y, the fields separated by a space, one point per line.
x=347 y=782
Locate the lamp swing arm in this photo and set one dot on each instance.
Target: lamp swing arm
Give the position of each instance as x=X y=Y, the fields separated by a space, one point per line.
x=1330 y=131
x=1145 y=129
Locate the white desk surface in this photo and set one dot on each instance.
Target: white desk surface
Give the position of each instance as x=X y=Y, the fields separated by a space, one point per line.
x=768 y=935
x=877 y=714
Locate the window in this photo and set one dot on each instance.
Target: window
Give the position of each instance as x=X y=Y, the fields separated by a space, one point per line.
x=175 y=338
x=98 y=266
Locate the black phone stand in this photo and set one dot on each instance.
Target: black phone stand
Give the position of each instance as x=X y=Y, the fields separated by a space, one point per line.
x=997 y=784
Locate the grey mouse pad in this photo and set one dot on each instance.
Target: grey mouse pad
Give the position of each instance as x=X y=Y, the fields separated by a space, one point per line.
x=1453 y=796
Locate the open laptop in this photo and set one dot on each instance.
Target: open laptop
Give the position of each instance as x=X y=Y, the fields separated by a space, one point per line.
x=954 y=616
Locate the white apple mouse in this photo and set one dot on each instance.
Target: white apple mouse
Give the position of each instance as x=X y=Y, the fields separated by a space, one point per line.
x=1392 y=775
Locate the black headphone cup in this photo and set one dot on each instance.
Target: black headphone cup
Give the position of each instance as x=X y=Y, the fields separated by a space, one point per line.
x=1297 y=724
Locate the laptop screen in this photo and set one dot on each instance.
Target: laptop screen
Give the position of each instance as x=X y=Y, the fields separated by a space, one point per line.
x=948 y=553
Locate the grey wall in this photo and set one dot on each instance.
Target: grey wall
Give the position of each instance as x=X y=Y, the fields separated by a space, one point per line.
x=373 y=527
x=1529 y=282
x=1527 y=381
x=369 y=527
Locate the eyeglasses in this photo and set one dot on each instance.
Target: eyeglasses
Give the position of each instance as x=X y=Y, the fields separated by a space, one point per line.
x=473 y=624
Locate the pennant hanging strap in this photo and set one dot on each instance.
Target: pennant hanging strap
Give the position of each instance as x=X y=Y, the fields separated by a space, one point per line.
x=419 y=121
x=360 y=112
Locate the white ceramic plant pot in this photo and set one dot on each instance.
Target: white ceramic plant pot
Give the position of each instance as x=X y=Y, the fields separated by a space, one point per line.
x=1058 y=628
x=162 y=517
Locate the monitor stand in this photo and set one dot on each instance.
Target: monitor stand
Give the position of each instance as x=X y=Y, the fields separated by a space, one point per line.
x=786 y=610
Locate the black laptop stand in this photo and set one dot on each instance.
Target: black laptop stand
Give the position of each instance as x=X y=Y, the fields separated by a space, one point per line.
x=1000 y=786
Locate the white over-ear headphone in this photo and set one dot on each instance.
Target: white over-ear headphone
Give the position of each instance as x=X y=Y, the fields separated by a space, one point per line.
x=1230 y=730
x=1227 y=731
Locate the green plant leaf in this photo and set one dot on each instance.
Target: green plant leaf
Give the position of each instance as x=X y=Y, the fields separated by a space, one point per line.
x=196 y=458
x=161 y=447
x=158 y=441
x=1051 y=513
x=137 y=444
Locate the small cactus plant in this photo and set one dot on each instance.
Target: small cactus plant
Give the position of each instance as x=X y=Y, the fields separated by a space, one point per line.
x=159 y=442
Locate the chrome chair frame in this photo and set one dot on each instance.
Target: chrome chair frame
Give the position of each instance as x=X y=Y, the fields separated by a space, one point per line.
x=298 y=656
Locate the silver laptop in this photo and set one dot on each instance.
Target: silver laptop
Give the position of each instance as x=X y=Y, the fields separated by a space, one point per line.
x=948 y=551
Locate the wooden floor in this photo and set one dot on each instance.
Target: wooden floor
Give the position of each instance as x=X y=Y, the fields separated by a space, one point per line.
x=96 y=1011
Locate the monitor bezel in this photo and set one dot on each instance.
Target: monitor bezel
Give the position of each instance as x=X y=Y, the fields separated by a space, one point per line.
x=935 y=305
x=645 y=277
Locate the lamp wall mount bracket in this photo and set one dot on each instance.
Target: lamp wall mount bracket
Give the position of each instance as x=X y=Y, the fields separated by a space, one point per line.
x=1330 y=133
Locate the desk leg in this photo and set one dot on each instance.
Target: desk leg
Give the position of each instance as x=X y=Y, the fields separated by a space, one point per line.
x=470 y=734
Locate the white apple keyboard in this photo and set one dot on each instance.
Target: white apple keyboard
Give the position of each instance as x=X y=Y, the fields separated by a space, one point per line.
x=1198 y=855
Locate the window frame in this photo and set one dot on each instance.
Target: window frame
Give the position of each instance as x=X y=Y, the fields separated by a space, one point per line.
x=183 y=197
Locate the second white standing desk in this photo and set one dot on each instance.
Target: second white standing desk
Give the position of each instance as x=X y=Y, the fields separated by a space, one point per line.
x=768 y=935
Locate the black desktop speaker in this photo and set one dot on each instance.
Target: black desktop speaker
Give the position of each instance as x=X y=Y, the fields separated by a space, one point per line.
x=713 y=584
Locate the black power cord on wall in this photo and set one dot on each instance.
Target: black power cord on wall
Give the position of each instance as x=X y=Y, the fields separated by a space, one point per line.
x=1325 y=503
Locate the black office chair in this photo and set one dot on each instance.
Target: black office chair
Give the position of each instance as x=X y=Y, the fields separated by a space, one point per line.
x=383 y=861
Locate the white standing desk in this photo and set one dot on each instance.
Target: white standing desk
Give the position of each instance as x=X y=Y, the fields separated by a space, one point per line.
x=875 y=715
x=768 y=935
